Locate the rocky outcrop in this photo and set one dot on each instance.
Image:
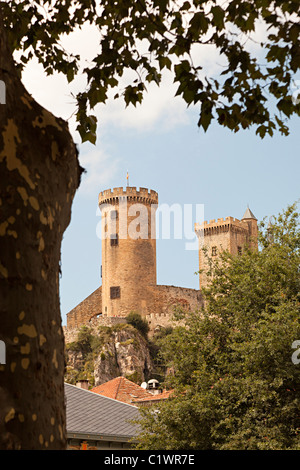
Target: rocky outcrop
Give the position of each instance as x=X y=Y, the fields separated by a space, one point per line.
x=108 y=352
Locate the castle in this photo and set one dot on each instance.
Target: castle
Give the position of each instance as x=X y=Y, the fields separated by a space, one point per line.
x=128 y=270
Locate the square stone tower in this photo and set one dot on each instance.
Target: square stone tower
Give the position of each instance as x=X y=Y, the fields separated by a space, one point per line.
x=227 y=234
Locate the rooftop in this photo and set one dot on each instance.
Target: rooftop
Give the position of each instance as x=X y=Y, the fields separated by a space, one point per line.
x=123 y=390
x=249 y=214
x=157 y=397
x=91 y=413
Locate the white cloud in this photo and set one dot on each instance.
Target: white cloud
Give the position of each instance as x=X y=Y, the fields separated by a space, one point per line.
x=160 y=110
x=159 y=105
x=100 y=168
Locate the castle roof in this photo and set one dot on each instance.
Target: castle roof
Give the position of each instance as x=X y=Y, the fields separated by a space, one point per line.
x=249 y=214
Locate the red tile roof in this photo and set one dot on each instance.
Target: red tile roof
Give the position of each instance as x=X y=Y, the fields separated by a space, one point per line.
x=155 y=397
x=123 y=390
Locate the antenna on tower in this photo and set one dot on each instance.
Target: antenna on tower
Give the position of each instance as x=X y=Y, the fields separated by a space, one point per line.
x=127 y=177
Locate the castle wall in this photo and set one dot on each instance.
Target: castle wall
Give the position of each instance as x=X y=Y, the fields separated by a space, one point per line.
x=88 y=308
x=166 y=298
x=161 y=320
x=70 y=332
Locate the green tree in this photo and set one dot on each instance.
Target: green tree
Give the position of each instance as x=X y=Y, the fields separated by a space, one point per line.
x=39 y=176
x=236 y=385
x=138 y=322
x=146 y=37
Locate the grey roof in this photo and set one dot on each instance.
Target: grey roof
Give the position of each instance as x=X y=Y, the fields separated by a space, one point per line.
x=248 y=214
x=91 y=413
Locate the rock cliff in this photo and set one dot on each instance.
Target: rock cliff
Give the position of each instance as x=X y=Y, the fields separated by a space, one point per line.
x=104 y=353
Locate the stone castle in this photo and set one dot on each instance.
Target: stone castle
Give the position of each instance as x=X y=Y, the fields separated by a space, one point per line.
x=128 y=269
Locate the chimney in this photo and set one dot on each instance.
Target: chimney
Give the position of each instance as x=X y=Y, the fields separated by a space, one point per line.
x=84 y=383
x=153 y=386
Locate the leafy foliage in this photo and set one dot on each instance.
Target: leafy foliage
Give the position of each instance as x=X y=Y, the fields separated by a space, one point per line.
x=87 y=346
x=155 y=343
x=235 y=384
x=145 y=38
x=138 y=322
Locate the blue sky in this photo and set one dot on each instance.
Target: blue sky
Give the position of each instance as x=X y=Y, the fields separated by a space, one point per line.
x=222 y=170
x=162 y=148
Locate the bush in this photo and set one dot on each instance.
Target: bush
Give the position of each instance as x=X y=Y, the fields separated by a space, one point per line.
x=84 y=339
x=138 y=322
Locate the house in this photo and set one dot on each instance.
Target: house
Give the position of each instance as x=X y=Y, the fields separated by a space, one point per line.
x=123 y=390
x=97 y=422
x=126 y=391
x=152 y=399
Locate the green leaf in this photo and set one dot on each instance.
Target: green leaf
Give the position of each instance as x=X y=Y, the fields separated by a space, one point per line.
x=218 y=16
x=205 y=120
x=286 y=106
x=87 y=129
x=164 y=61
x=198 y=24
x=164 y=29
x=294 y=32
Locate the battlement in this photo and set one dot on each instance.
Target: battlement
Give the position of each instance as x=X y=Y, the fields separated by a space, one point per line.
x=113 y=196
x=221 y=221
x=222 y=224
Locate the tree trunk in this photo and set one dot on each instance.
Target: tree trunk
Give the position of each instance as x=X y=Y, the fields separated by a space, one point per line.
x=39 y=176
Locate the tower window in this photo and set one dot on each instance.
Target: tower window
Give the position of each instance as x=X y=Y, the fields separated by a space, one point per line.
x=115 y=292
x=114 y=215
x=214 y=251
x=239 y=250
x=114 y=239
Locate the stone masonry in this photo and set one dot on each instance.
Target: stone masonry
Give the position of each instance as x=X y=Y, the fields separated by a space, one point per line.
x=129 y=261
x=228 y=234
x=165 y=299
x=128 y=250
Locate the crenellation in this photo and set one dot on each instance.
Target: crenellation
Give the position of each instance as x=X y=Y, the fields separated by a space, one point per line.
x=131 y=193
x=227 y=222
x=144 y=191
x=131 y=189
x=153 y=193
x=118 y=191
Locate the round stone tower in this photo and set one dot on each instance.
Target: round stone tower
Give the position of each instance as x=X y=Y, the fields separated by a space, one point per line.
x=128 y=250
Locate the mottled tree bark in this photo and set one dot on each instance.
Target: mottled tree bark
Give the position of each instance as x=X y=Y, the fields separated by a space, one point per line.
x=39 y=174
